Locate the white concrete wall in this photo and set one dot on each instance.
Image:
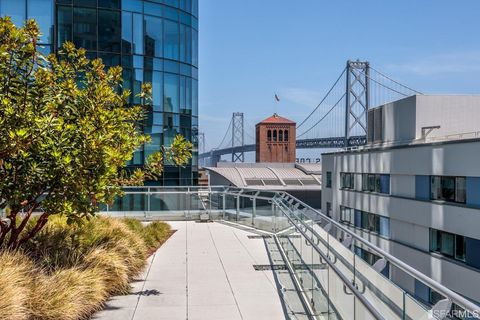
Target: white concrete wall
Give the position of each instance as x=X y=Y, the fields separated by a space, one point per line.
x=402 y=185
x=454 y=114
x=399 y=120
x=404 y=119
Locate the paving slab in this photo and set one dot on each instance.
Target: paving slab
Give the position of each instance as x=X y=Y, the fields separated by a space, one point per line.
x=204 y=271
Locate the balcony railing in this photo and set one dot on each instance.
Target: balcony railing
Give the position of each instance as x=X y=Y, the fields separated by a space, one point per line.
x=333 y=281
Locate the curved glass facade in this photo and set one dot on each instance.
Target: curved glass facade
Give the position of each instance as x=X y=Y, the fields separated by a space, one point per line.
x=154 y=41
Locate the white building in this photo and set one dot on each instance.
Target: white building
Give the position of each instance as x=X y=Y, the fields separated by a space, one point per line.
x=414 y=190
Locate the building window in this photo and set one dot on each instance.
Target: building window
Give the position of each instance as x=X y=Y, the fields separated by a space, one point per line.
x=329 y=179
x=347 y=180
x=285 y=136
x=379 y=183
x=280 y=135
x=329 y=209
x=451 y=189
x=269 y=135
x=347 y=215
x=458 y=247
x=365 y=220
x=274 y=135
x=447 y=244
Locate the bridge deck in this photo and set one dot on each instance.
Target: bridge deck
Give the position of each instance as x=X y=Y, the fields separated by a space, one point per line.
x=317 y=143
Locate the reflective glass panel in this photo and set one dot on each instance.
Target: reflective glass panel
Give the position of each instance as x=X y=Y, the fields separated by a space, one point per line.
x=85 y=3
x=127 y=33
x=85 y=28
x=153 y=36
x=109 y=33
x=171 y=94
x=171 y=39
x=112 y=4
x=132 y=5
x=137 y=33
x=64 y=24
x=153 y=9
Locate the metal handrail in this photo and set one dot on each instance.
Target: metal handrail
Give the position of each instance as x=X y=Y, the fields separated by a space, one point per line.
x=453 y=296
x=344 y=279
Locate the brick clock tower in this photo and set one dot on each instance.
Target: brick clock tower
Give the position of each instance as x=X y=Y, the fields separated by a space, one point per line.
x=275 y=140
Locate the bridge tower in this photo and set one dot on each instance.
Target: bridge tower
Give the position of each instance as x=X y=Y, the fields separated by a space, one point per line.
x=357 y=100
x=238 y=137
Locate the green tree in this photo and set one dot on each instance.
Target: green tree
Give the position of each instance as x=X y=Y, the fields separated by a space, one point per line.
x=66 y=134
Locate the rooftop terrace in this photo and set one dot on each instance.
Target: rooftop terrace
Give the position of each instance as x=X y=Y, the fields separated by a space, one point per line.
x=206 y=271
x=307 y=263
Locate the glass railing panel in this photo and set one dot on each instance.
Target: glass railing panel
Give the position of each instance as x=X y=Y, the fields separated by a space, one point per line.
x=135 y=189
x=321 y=237
x=230 y=212
x=264 y=215
x=245 y=214
x=296 y=256
x=362 y=313
x=196 y=201
x=280 y=219
x=341 y=298
x=169 y=204
x=319 y=296
x=306 y=269
x=216 y=205
x=343 y=256
x=380 y=292
x=130 y=202
x=414 y=310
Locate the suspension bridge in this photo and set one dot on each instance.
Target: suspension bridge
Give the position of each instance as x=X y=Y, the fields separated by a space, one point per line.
x=338 y=121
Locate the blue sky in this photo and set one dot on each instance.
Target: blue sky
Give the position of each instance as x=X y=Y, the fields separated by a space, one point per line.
x=252 y=49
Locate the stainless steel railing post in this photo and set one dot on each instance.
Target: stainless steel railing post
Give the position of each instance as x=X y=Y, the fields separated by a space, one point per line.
x=238 y=208
x=254 y=211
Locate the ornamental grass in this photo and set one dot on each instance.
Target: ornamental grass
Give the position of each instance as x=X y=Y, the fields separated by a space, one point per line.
x=69 y=271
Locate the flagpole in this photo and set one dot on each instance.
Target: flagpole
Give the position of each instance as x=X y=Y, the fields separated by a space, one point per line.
x=277 y=100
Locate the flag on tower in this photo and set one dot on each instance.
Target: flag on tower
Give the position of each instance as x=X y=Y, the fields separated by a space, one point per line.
x=277 y=98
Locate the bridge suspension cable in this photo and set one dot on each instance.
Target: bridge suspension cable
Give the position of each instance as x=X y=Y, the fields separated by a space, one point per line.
x=366 y=88
x=385 y=76
x=324 y=98
x=322 y=118
x=227 y=133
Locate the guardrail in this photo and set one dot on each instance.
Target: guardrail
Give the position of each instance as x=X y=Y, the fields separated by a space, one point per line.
x=334 y=278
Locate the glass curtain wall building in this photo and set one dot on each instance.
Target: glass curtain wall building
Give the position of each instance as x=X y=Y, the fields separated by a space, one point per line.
x=154 y=41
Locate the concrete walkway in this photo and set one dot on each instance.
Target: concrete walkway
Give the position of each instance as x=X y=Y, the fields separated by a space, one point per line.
x=205 y=271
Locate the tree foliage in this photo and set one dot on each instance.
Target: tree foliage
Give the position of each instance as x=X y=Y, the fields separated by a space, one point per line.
x=66 y=133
